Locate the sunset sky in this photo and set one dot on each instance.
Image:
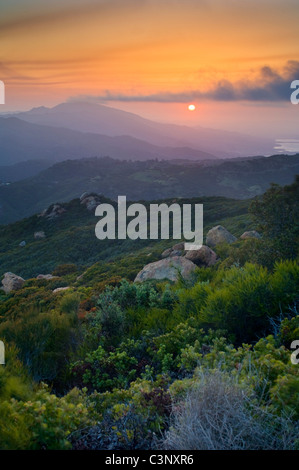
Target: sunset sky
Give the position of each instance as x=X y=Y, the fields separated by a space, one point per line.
x=233 y=59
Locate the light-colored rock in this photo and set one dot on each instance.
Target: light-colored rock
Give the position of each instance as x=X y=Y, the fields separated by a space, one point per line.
x=60 y=289
x=179 y=247
x=250 y=234
x=48 y=277
x=39 y=235
x=53 y=211
x=23 y=243
x=176 y=253
x=166 y=253
x=219 y=234
x=83 y=196
x=167 y=268
x=90 y=201
x=12 y=282
x=203 y=257
x=176 y=250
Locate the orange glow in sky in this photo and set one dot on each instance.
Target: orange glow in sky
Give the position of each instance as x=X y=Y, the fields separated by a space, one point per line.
x=160 y=54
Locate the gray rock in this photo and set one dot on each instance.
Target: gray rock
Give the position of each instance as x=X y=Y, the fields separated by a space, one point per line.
x=204 y=257
x=23 y=243
x=166 y=253
x=218 y=235
x=167 y=269
x=12 y=282
x=176 y=250
x=90 y=201
x=176 y=253
x=179 y=247
x=250 y=234
x=83 y=196
x=39 y=235
x=53 y=212
x=48 y=277
x=60 y=289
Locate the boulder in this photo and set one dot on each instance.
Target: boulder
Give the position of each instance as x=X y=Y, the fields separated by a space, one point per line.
x=166 y=253
x=39 y=235
x=83 y=196
x=60 y=289
x=204 y=257
x=176 y=250
x=12 y=282
x=167 y=268
x=48 y=277
x=90 y=201
x=176 y=253
x=23 y=243
x=250 y=234
x=218 y=235
x=179 y=247
x=53 y=211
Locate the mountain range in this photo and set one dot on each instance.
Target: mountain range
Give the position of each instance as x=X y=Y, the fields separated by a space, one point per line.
x=21 y=141
x=83 y=129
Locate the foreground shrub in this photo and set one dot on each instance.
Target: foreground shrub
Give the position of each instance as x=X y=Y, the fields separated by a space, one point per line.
x=45 y=422
x=218 y=414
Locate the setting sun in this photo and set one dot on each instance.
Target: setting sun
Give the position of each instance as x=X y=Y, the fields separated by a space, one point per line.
x=191 y=107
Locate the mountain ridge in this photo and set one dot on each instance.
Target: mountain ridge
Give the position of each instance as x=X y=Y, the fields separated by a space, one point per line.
x=21 y=140
x=105 y=120
x=152 y=179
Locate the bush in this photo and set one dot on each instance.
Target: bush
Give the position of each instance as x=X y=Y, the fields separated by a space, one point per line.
x=45 y=422
x=218 y=414
x=64 y=269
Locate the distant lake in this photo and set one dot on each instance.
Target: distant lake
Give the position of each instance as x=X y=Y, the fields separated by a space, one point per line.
x=287 y=145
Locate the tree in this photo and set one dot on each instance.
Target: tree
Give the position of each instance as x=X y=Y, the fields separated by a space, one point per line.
x=277 y=213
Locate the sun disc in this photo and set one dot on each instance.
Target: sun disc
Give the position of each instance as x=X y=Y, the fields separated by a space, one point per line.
x=191 y=107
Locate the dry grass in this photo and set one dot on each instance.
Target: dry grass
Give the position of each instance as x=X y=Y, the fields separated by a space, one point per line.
x=218 y=414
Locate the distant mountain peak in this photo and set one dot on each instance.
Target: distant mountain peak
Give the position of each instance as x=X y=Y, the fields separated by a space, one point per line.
x=97 y=118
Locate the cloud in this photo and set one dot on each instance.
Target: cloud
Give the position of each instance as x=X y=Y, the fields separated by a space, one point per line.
x=42 y=17
x=270 y=85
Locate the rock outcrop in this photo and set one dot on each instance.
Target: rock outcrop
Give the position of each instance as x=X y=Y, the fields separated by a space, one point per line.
x=167 y=268
x=60 y=289
x=250 y=234
x=53 y=211
x=176 y=250
x=12 y=282
x=39 y=235
x=48 y=277
x=218 y=235
x=90 y=201
x=204 y=257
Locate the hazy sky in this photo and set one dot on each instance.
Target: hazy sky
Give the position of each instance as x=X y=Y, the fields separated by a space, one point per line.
x=233 y=59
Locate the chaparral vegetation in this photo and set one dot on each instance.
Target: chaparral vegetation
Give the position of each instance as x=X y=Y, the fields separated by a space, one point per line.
x=95 y=360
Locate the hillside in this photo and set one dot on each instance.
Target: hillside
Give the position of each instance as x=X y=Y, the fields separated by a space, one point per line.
x=94 y=361
x=70 y=238
x=67 y=180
